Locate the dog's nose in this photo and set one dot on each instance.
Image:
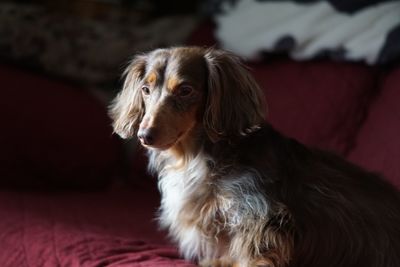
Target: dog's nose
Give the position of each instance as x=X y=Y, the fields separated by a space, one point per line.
x=146 y=136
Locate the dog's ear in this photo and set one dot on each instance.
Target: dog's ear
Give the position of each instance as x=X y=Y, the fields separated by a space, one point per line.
x=127 y=109
x=235 y=103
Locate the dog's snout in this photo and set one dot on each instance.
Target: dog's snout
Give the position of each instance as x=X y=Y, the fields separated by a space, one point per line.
x=147 y=136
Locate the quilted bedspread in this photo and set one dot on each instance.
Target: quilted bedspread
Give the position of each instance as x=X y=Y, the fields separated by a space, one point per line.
x=113 y=228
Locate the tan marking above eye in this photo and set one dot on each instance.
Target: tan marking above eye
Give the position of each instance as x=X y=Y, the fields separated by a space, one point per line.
x=151 y=79
x=172 y=84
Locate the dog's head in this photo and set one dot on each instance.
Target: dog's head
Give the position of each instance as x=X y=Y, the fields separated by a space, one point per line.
x=169 y=93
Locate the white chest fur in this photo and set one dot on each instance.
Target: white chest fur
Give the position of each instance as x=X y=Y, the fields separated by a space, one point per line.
x=236 y=195
x=177 y=186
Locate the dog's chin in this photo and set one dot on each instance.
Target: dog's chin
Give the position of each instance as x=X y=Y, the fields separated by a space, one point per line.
x=162 y=146
x=165 y=145
x=159 y=146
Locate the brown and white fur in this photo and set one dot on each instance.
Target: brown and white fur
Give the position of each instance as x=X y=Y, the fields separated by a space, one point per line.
x=235 y=192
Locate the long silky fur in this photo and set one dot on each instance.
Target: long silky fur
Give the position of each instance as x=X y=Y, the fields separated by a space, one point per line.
x=200 y=209
x=237 y=193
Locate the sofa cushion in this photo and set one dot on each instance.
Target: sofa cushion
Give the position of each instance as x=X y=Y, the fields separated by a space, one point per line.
x=320 y=103
x=113 y=228
x=53 y=134
x=378 y=145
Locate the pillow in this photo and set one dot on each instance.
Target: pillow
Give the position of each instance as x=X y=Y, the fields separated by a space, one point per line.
x=378 y=145
x=320 y=103
x=53 y=135
x=342 y=30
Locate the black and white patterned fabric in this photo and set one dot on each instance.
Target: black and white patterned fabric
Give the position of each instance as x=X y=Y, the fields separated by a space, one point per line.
x=350 y=30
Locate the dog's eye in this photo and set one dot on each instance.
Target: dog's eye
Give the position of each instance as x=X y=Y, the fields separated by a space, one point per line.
x=184 y=90
x=146 y=90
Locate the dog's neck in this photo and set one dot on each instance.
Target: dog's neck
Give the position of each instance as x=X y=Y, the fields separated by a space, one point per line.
x=179 y=155
x=190 y=145
x=194 y=143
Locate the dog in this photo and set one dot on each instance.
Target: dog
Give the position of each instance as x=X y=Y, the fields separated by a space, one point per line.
x=236 y=192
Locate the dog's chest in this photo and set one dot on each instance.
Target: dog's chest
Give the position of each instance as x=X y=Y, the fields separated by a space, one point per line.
x=197 y=205
x=178 y=188
x=194 y=191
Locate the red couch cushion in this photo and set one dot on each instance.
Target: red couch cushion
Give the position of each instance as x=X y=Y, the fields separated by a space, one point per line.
x=114 y=228
x=53 y=134
x=320 y=103
x=378 y=144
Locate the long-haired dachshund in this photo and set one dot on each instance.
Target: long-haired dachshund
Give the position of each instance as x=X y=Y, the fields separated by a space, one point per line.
x=235 y=192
